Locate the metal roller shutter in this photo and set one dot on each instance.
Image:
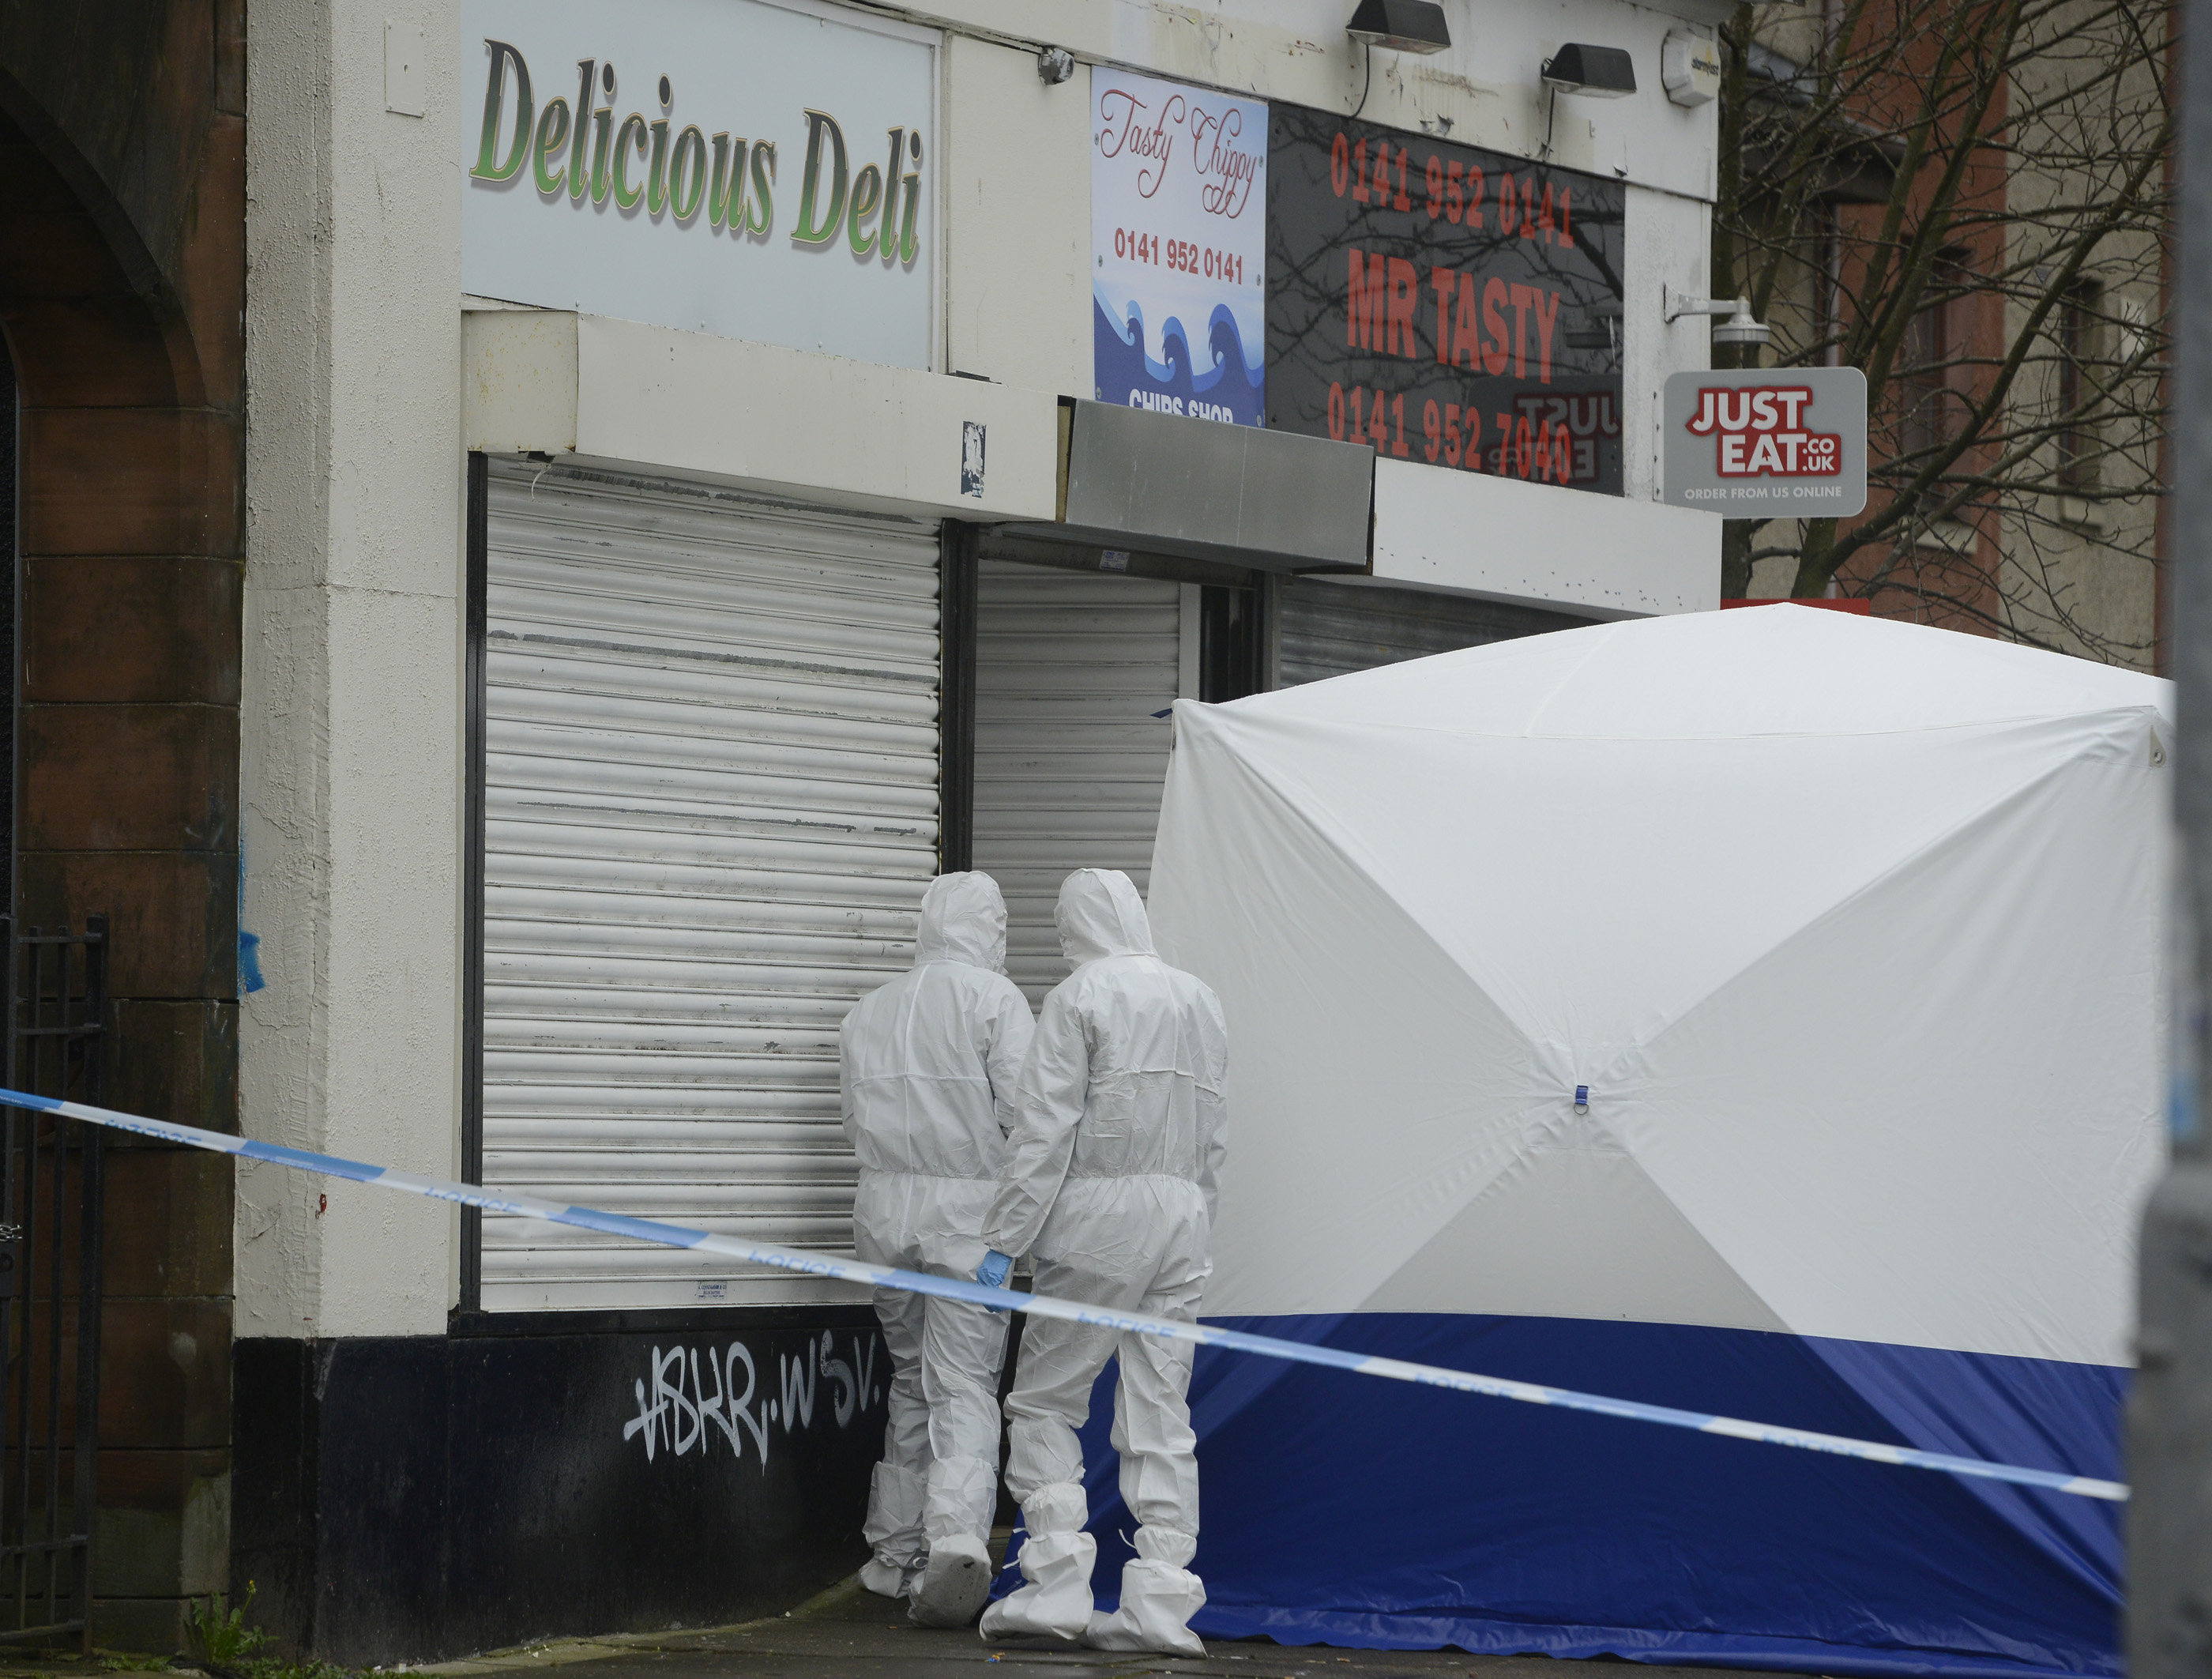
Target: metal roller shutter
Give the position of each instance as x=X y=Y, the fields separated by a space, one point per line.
x=1325 y=630
x=710 y=808
x=1070 y=759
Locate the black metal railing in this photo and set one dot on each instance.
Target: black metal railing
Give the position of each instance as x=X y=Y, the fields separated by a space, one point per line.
x=54 y=999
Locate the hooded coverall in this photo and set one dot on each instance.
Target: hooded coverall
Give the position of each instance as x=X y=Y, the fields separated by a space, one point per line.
x=929 y=1067
x=1112 y=1169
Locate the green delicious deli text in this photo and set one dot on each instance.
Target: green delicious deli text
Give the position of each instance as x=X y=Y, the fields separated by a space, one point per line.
x=582 y=150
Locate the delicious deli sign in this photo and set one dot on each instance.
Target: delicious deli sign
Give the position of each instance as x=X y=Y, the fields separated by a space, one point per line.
x=755 y=170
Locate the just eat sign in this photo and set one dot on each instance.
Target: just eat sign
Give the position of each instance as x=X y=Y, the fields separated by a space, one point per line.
x=1774 y=443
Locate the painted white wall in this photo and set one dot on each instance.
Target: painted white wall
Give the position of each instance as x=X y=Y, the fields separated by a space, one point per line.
x=1669 y=243
x=1017 y=250
x=1483 y=91
x=351 y=721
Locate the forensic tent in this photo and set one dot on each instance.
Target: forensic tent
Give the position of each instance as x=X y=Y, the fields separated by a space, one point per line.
x=1756 y=1013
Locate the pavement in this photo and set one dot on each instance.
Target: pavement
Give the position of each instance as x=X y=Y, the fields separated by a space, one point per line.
x=849 y=1633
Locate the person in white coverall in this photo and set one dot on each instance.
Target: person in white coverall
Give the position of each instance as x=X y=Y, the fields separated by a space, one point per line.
x=929 y=1063
x=1112 y=1170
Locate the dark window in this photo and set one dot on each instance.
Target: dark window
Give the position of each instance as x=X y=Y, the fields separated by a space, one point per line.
x=8 y=591
x=1930 y=363
x=1228 y=643
x=2080 y=349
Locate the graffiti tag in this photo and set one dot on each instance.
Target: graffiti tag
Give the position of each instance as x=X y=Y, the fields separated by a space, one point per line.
x=677 y=1415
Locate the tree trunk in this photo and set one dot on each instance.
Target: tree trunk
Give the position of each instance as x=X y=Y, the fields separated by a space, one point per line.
x=1816 y=560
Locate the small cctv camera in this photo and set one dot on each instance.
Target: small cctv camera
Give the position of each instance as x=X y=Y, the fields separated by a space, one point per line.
x=1056 y=64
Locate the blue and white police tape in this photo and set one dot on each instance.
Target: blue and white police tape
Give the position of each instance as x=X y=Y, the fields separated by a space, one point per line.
x=881 y=1276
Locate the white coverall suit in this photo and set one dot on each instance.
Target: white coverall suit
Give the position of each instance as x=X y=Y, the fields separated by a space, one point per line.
x=1112 y=1169
x=929 y=1067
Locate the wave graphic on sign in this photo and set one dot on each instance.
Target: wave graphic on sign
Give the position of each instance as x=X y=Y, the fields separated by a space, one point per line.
x=1220 y=378
x=1126 y=313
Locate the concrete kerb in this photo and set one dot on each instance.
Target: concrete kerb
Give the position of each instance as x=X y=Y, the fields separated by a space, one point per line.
x=558 y=1652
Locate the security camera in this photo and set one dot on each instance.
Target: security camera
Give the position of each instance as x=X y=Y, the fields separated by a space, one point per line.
x=1056 y=64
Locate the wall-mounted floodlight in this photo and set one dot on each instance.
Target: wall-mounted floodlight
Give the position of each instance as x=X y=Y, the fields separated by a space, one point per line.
x=1056 y=64
x=1403 y=26
x=1738 y=327
x=1594 y=72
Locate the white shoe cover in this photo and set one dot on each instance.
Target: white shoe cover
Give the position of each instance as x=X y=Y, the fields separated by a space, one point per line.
x=1056 y=1560
x=1158 y=1601
x=964 y=1494
x=892 y=1529
x=885 y=1579
x=954 y=1585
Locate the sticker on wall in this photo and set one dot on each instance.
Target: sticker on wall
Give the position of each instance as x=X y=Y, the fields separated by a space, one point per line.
x=754 y=171
x=971 y=458
x=1178 y=242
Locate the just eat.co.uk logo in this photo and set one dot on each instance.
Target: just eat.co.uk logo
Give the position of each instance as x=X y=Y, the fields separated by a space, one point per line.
x=1760 y=432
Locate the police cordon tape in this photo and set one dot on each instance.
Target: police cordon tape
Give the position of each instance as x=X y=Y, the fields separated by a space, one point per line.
x=1073 y=1311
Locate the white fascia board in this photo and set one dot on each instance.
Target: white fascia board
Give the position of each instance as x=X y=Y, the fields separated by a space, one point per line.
x=759 y=417
x=518 y=380
x=816 y=426
x=1542 y=545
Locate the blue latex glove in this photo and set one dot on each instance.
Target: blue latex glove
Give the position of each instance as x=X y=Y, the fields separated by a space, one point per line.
x=992 y=1273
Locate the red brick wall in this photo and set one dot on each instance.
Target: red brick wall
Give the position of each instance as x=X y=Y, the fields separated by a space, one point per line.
x=122 y=298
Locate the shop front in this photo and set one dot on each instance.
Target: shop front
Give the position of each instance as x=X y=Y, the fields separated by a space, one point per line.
x=796 y=562
x=706 y=459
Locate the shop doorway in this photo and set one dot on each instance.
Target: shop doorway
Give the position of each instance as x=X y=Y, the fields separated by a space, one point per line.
x=1077 y=671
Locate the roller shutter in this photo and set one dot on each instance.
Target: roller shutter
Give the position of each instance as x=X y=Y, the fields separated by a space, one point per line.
x=1072 y=669
x=710 y=797
x=1325 y=630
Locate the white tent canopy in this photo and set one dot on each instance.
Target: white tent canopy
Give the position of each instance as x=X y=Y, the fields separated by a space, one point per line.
x=1847 y=936
x=1848 y=927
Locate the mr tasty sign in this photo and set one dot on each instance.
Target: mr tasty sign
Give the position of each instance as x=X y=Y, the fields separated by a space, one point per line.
x=1447 y=305
x=1767 y=443
x=754 y=170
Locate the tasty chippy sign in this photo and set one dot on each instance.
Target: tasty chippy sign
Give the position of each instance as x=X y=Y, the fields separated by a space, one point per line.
x=1767 y=443
x=1179 y=247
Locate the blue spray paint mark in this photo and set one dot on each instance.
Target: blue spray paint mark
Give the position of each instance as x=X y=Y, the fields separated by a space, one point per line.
x=249 y=944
